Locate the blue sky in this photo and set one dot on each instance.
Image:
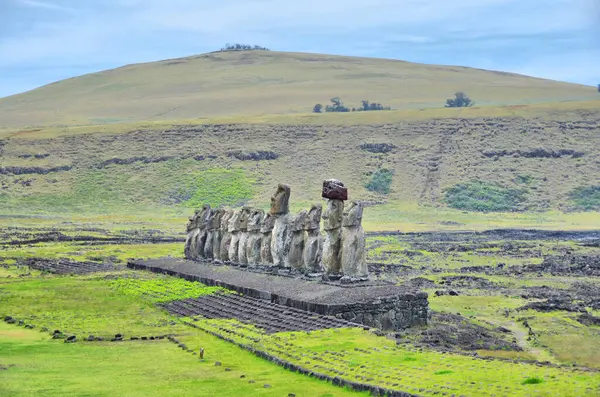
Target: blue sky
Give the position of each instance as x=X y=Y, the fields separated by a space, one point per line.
x=42 y=41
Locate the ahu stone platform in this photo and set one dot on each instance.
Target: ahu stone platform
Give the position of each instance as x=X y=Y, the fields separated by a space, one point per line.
x=376 y=304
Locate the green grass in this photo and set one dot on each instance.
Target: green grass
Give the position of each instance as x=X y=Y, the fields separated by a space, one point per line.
x=485 y=197
x=161 y=290
x=586 y=198
x=44 y=367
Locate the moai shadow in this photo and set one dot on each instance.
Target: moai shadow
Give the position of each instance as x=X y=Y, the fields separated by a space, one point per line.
x=313 y=245
x=280 y=211
x=335 y=192
x=253 y=245
x=266 y=230
x=296 y=241
x=244 y=218
x=225 y=236
x=234 y=229
x=212 y=236
x=354 y=264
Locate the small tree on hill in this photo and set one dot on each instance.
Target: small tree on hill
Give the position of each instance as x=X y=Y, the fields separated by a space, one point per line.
x=318 y=108
x=337 y=106
x=460 y=100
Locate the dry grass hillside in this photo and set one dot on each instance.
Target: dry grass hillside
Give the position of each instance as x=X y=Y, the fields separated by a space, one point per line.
x=263 y=82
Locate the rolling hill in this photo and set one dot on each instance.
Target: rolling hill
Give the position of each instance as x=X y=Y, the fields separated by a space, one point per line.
x=225 y=128
x=264 y=82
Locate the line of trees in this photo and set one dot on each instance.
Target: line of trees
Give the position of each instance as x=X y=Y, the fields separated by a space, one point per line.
x=338 y=106
x=243 y=47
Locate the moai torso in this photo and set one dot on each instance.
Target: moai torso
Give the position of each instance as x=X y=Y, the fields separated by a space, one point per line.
x=266 y=230
x=234 y=229
x=354 y=263
x=212 y=233
x=254 y=238
x=244 y=218
x=192 y=232
x=296 y=241
x=313 y=245
x=225 y=236
x=280 y=210
x=335 y=192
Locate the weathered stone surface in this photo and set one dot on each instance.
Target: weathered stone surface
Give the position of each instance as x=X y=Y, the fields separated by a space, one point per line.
x=332 y=223
x=226 y=236
x=296 y=241
x=280 y=200
x=266 y=229
x=213 y=225
x=353 y=255
x=280 y=243
x=234 y=229
x=194 y=246
x=253 y=244
x=313 y=243
x=334 y=189
x=243 y=239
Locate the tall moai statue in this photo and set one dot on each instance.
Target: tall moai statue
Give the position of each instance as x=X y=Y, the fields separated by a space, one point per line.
x=233 y=227
x=266 y=230
x=192 y=233
x=335 y=192
x=254 y=237
x=280 y=211
x=354 y=264
x=313 y=245
x=225 y=237
x=212 y=236
x=244 y=219
x=296 y=241
x=197 y=237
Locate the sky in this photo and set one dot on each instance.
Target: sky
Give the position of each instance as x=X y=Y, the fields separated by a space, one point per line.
x=42 y=41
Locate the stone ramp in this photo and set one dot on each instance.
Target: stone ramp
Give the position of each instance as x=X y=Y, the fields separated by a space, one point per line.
x=379 y=305
x=267 y=315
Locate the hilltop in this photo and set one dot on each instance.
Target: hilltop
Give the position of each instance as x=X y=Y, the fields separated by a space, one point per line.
x=243 y=83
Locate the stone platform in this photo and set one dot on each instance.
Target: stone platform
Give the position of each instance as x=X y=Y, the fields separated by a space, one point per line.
x=380 y=305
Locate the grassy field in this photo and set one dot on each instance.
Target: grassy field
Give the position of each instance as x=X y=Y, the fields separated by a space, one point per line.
x=260 y=83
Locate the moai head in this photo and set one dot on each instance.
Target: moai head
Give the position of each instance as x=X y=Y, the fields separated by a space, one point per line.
x=353 y=214
x=244 y=218
x=313 y=218
x=297 y=224
x=332 y=217
x=193 y=221
x=233 y=225
x=280 y=200
x=203 y=216
x=255 y=220
x=227 y=214
x=215 y=219
x=268 y=222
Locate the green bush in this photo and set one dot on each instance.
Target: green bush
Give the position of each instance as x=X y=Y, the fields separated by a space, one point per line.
x=484 y=197
x=380 y=182
x=586 y=198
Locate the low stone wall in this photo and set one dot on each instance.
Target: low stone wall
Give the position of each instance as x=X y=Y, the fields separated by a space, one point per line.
x=388 y=308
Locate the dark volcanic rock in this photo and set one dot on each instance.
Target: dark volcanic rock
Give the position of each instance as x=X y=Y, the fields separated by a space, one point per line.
x=588 y=319
x=552 y=305
x=334 y=189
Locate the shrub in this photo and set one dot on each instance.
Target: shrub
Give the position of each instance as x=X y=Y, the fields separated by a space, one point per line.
x=380 y=182
x=318 y=108
x=484 y=197
x=586 y=198
x=532 y=381
x=460 y=100
x=336 y=106
x=243 y=47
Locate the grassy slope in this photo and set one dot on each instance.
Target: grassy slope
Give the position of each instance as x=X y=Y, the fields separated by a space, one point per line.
x=252 y=83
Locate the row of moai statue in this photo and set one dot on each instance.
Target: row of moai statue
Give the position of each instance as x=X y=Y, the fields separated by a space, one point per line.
x=251 y=237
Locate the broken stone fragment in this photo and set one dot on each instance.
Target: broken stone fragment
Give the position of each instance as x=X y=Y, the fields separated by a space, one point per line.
x=334 y=189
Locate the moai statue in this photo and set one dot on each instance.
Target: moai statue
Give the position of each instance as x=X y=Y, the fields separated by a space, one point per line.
x=313 y=245
x=244 y=219
x=253 y=246
x=266 y=230
x=225 y=236
x=280 y=211
x=296 y=241
x=212 y=237
x=192 y=233
x=233 y=227
x=335 y=192
x=194 y=246
x=354 y=264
